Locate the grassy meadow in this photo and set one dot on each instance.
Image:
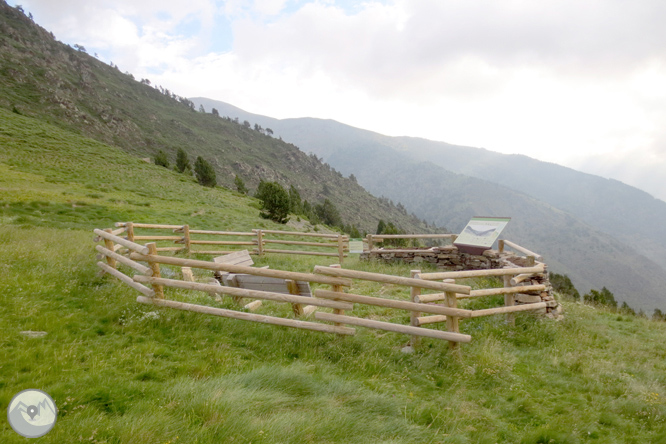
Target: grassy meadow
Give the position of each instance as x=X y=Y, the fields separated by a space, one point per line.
x=122 y=372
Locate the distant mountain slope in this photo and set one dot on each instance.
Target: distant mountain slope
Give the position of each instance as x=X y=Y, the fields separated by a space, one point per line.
x=568 y=235
x=45 y=79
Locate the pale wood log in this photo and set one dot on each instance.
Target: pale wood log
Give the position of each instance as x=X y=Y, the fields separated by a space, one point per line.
x=260 y=242
x=397 y=328
x=206 y=265
x=116 y=247
x=216 y=297
x=118 y=231
x=212 y=252
x=293 y=288
x=452 y=324
x=297 y=233
x=223 y=233
x=391 y=303
x=500 y=246
x=244 y=293
x=523 y=250
x=125 y=260
x=309 y=309
x=159 y=291
x=157 y=238
x=432 y=297
x=509 y=300
x=341 y=249
x=126 y=279
x=337 y=289
x=263 y=283
x=435 y=319
x=157 y=226
x=370 y=242
x=170 y=248
x=119 y=240
x=387 y=279
x=481 y=273
x=109 y=246
x=414 y=292
x=310 y=244
x=310 y=253
x=392 y=250
x=129 y=227
x=496 y=291
x=248 y=316
x=512 y=309
x=412 y=236
x=187 y=274
x=252 y=306
x=523 y=277
x=209 y=242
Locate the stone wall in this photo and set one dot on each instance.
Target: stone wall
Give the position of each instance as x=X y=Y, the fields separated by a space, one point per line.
x=450 y=258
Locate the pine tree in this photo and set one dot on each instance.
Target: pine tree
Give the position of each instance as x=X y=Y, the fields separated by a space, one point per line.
x=161 y=159
x=182 y=162
x=275 y=202
x=204 y=172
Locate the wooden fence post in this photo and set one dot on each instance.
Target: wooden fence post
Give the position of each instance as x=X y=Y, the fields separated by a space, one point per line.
x=500 y=246
x=452 y=324
x=186 y=238
x=370 y=246
x=509 y=300
x=109 y=246
x=341 y=248
x=129 y=229
x=414 y=315
x=159 y=290
x=260 y=242
x=337 y=288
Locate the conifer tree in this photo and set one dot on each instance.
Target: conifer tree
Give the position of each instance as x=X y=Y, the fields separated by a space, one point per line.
x=182 y=162
x=204 y=172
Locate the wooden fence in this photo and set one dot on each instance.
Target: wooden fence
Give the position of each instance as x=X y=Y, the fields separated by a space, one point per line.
x=425 y=309
x=372 y=239
x=257 y=241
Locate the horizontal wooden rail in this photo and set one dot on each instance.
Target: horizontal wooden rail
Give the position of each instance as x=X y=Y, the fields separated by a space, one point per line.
x=170 y=248
x=397 y=328
x=125 y=260
x=206 y=265
x=432 y=297
x=207 y=242
x=310 y=244
x=390 y=250
x=509 y=309
x=387 y=279
x=524 y=277
x=217 y=252
x=480 y=273
x=124 y=242
x=297 y=233
x=248 y=316
x=391 y=303
x=502 y=290
x=523 y=250
x=244 y=293
x=424 y=320
x=118 y=231
x=311 y=253
x=126 y=279
x=223 y=233
x=412 y=236
x=158 y=237
x=155 y=226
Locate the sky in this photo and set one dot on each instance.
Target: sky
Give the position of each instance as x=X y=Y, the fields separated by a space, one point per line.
x=581 y=83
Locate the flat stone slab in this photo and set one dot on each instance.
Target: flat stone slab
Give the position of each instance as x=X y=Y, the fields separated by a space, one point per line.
x=34 y=334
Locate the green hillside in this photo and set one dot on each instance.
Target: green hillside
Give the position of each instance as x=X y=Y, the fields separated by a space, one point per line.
x=45 y=79
x=121 y=372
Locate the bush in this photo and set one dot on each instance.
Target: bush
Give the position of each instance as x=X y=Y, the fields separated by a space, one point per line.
x=182 y=162
x=240 y=185
x=275 y=201
x=204 y=172
x=161 y=159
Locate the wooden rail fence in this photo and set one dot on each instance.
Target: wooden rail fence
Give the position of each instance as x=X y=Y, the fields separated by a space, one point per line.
x=426 y=310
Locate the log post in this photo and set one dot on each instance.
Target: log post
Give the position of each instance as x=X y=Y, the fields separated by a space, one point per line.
x=129 y=229
x=338 y=289
x=187 y=274
x=109 y=246
x=509 y=300
x=414 y=315
x=186 y=238
x=531 y=260
x=159 y=290
x=370 y=246
x=500 y=246
x=341 y=248
x=292 y=286
x=452 y=321
x=260 y=242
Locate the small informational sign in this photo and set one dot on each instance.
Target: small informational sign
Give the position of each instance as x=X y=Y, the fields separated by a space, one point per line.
x=480 y=233
x=356 y=245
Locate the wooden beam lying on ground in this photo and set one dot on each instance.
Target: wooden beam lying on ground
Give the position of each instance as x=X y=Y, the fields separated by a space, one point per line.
x=397 y=328
x=247 y=316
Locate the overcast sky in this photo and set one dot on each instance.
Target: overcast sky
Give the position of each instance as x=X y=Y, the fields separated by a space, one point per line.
x=577 y=82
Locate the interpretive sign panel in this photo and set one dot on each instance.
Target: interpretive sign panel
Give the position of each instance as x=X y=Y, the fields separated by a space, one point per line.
x=480 y=233
x=356 y=246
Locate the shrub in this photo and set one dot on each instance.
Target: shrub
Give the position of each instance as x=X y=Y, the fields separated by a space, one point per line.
x=240 y=185
x=182 y=162
x=161 y=159
x=204 y=172
x=275 y=201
